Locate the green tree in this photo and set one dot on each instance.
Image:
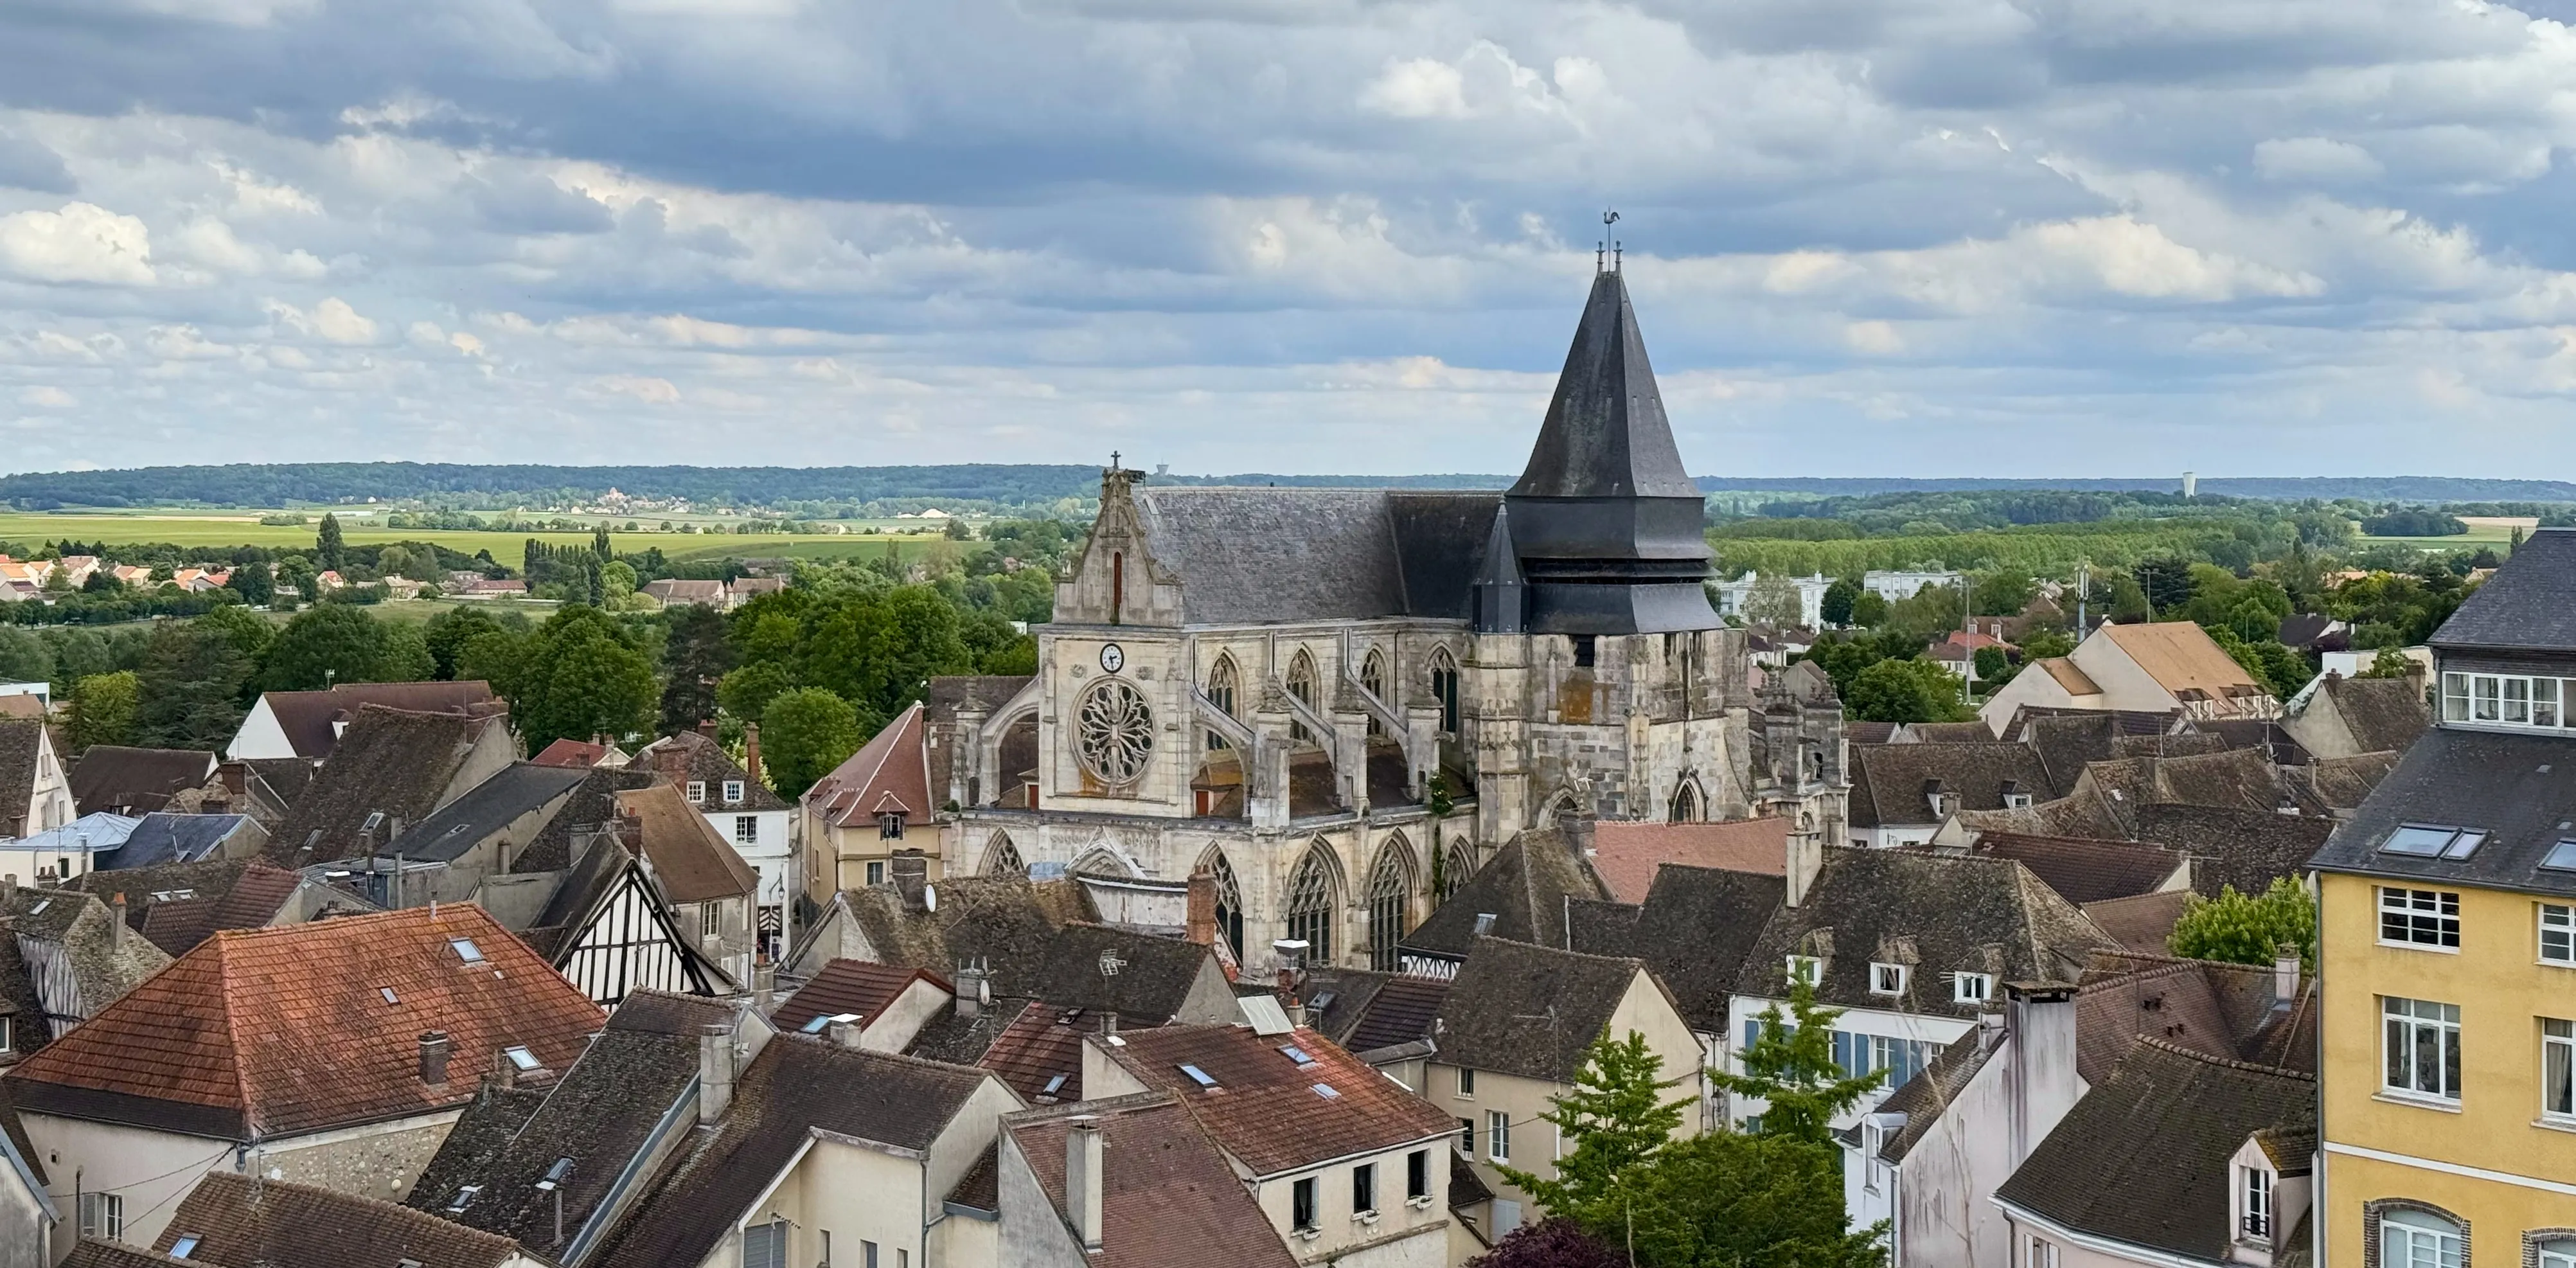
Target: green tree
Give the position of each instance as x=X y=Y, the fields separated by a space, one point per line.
x=1774 y=601
x=1994 y=668
x=2127 y=600
x=253 y=582
x=2247 y=929
x=25 y=656
x=1869 y=609
x=405 y=655
x=2391 y=662
x=599 y=547
x=2004 y=592
x=1733 y=1200
x=617 y=583
x=295 y=572
x=102 y=710
x=2167 y=581
x=2043 y=644
x=804 y=734
x=1790 y=1064
x=746 y=692
x=1906 y=691
x=329 y=553
x=695 y=657
x=1618 y=1119
x=578 y=675
x=244 y=629
x=448 y=632
x=1836 y=607
x=323 y=646
x=190 y=685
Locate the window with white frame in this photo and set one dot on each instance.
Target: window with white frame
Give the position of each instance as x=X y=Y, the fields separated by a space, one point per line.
x=733 y=792
x=1807 y=969
x=710 y=920
x=2254 y=1203
x=2039 y=1252
x=2514 y=700
x=2557 y=1253
x=1972 y=988
x=697 y=791
x=2420 y=1048
x=102 y=1215
x=1886 y=979
x=746 y=829
x=2419 y=917
x=1498 y=1136
x=2557 y=934
x=2418 y=1239
x=1872 y=1139
x=2557 y=1068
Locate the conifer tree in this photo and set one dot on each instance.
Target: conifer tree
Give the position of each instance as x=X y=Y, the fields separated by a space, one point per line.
x=1791 y=1065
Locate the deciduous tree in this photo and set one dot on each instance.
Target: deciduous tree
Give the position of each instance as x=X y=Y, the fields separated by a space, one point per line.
x=1618 y=1117
x=102 y=710
x=804 y=734
x=2247 y=928
x=1906 y=691
x=1791 y=1065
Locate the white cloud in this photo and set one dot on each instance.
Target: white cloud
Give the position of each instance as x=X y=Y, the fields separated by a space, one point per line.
x=82 y=242
x=1874 y=338
x=651 y=391
x=2314 y=159
x=46 y=396
x=332 y=320
x=1418 y=88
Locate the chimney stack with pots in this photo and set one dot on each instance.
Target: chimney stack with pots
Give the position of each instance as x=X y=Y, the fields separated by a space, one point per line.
x=433 y=1057
x=1082 y=1179
x=974 y=987
x=2285 y=975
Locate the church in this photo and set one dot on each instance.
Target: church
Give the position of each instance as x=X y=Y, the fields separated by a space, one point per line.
x=1340 y=702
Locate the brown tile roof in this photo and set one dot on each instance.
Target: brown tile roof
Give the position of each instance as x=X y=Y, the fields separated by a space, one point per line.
x=692 y=863
x=2085 y=871
x=889 y=774
x=389 y=760
x=690 y=757
x=2184 y=660
x=1893 y=783
x=2143 y=922
x=1264 y=1109
x=204 y=896
x=136 y=781
x=2223 y=1010
x=1041 y=1044
x=1486 y=1019
x=581 y=754
x=850 y=986
x=284 y=1031
x=1627 y=854
x=1694 y=931
x=93 y=1253
x=307 y=716
x=83 y=927
x=2383 y=715
x=244 y=1222
x=1953 y=733
x=1168 y=1198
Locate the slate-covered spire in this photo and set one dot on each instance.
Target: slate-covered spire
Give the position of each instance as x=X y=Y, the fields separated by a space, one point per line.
x=1605 y=521
x=1605 y=434
x=1502 y=602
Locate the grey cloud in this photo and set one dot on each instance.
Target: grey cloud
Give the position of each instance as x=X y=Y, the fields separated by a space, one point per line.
x=28 y=164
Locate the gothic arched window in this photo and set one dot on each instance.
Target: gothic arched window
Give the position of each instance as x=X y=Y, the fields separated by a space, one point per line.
x=1001 y=858
x=1302 y=684
x=1373 y=677
x=1444 y=686
x=1221 y=687
x=1390 y=886
x=1454 y=873
x=1310 y=905
x=1686 y=803
x=1229 y=903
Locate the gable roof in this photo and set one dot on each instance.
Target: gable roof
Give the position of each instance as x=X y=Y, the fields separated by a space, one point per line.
x=592 y=804
x=165 y=837
x=795 y=1087
x=1694 y=932
x=1524 y=887
x=1892 y=783
x=241 y=1221
x=307 y=717
x=285 y=1031
x=1402 y=1010
x=2383 y=715
x=1168 y=1198
x=850 y=986
x=1626 y=855
x=136 y=781
x=1264 y=1109
x=889 y=773
x=2083 y=870
x=178 y=905
x=2142 y=1158
x=517 y=789
x=2528 y=605
x=690 y=756
x=21 y=741
x=389 y=760
x=1151 y=980
x=1008 y=922
x=2070 y=676
x=2517 y=788
x=104 y=965
x=1528 y=1010
x=2183 y=659
x=1923 y=1098
x=2067 y=742
x=90 y=1252
x=567 y=751
x=690 y=862
x=2143 y=922
x=2247 y=849
x=2210 y=1007
x=1254 y=555
x=1039 y=1044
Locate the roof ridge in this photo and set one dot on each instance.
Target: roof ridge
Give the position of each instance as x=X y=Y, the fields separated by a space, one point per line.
x=1538 y=946
x=223 y=994
x=2230 y=1063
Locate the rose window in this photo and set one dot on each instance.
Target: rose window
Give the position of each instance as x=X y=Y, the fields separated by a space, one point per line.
x=1115 y=732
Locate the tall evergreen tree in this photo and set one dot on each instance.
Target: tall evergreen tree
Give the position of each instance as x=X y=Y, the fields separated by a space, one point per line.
x=329 y=553
x=190 y=687
x=1618 y=1119
x=1791 y=1065
x=695 y=658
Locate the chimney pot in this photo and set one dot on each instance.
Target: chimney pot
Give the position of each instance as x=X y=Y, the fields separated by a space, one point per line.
x=1082 y=1179
x=845 y=1034
x=433 y=1058
x=707 y=727
x=715 y=1072
x=2285 y=975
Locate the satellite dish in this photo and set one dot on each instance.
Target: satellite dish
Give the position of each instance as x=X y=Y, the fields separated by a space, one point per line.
x=930 y=897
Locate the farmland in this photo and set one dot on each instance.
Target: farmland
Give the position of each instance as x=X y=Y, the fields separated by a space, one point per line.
x=242 y=528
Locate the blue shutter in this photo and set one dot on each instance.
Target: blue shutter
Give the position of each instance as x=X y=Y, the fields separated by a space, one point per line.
x=1752 y=1031
x=1842 y=1051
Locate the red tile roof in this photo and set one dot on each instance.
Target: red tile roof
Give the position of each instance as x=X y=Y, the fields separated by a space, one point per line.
x=850 y=986
x=1627 y=854
x=288 y=1030
x=571 y=752
x=1042 y=1042
x=891 y=773
x=1167 y=1199
x=1264 y=1108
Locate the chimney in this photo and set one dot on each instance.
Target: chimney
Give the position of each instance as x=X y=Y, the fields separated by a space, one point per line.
x=505 y=1072
x=764 y=985
x=751 y=752
x=116 y=927
x=1082 y=1180
x=1108 y=1023
x=910 y=872
x=707 y=727
x=236 y=777
x=1202 y=907
x=973 y=988
x=2285 y=975
x=433 y=1058
x=715 y=1072
x=1806 y=858
x=9 y=887
x=2040 y=1022
x=845 y=1034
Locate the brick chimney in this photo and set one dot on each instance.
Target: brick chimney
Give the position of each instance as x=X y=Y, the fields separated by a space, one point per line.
x=707 y=727
x=1202 y=910
x=116 y=927
x=433 y=1058
x=751 y=752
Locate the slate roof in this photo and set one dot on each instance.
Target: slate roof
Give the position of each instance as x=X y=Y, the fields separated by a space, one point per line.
x=136 y=781
x=2528 y=605
x=2142 y=1158
x=890 y=774
x=18 y=999
x=1626 y=855
x=178 y=905
x=1009 y=922
x=850 y=986
x=1168 y=1197
x=1858 y=732
x=593 y=802
x=163 y=837
x=1941 y=914
x=2066 y=742
x=241 y=1221
x=1260 y=555
x=1265 y=1111
x=600 y=1114
x=1970 y=732
x=691 y=756
x=329 y=1050
x=2384 y=715
x=1528 y=1010
x=1040 y=1043
x=2085 y=871
x=2248 y=849
x=307 y=716
x=690 y=862
x=2516 y=788
x=1923 y=1098
x=1524 y=887
x=482 y=1132
x=795 y=1086
x=1694 y=931
x=486 y=808
x=2330 y=785
x=1153 y=978
x=1891 y=782
x=2141 y=923
x=388 y=760
x=2300 y=629
x=20 y=741
x=1402 y=1010
x=1605 y=435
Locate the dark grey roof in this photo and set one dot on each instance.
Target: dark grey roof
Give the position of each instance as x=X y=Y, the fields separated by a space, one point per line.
x=2299 y=629
x=1695 y=929
x=1152 y=980
x=689 y=756
x=1606 y=435
x=20 y=739
x=388 y=760
x=1524 y=887
x=486 y=808
x=961 y=1040
x=593 y=802
x=2066 y=742
x=2271 y=737
x=163 y=837
x=2384 y=715
x=2529 y=604
x=1270 y=554
x=2083 y=870
x=2142 y=1158
x=135 y=781
x=481 y=1133
x=1892 y=782
x=1939 y=914
x=2519 y=789
x=2247 y=849
x=1530 y=1011
x=1923 y=1098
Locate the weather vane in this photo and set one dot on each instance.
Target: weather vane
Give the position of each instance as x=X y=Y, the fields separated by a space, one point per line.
x=1608 y=218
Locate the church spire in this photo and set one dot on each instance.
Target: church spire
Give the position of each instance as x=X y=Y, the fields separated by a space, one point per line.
x=1605 y=434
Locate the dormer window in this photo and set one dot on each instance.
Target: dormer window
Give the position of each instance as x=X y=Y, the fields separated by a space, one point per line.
x=2014 y=797
x=733 y=792
x=1886 y=979
x=2512 y=700
x=1807 y=969
x=1972 y=988
x=2254 y=1204
x=890 y=825
x=697 y=792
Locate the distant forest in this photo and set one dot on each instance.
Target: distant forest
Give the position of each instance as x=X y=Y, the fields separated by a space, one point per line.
x=865 y=491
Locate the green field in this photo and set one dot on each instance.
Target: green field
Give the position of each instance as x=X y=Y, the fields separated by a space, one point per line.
x=238 y=528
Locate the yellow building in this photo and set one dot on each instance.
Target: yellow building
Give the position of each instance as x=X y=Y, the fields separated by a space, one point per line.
x=2447 y=930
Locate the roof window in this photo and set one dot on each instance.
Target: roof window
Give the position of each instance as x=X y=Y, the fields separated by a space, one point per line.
x=1323 y=1000
x=1296 y=1054
x=2561 y=857
x=555 y=1175
x=39 y=909
x=466 y=950
x=388 y=993
x=464 y=1198
x=187 y=1245
x=519 y=1056
x=823 y=1022
x=1054 y=1085
x=1197 y=1075
x=2433 y=841
x=1327 y=1091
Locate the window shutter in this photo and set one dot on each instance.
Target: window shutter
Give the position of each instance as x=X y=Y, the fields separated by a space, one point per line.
x=1842 y=1051
x=765 y=1246
x=1752 y=1031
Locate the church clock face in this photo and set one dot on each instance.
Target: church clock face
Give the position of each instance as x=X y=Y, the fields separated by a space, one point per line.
x=1112 y=657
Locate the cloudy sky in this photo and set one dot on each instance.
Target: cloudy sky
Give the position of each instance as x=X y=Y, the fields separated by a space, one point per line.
x=1888 y=237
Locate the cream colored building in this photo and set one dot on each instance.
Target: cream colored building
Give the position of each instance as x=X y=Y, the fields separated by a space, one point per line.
x=2155 y=668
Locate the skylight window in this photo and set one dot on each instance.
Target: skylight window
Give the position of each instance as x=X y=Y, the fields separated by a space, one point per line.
x=823 y=1022
x=466 y=950
x=2431 y=841
x=1327 y=1091
x=1055 y=1085
x=555 y=1175
x=39 y=909
x=1296 y=1054
x=187 y=1245
x=388 y=993
x=1197 y=1075
x=2561 y=858
x=464 y=1198
x=520 y=1057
